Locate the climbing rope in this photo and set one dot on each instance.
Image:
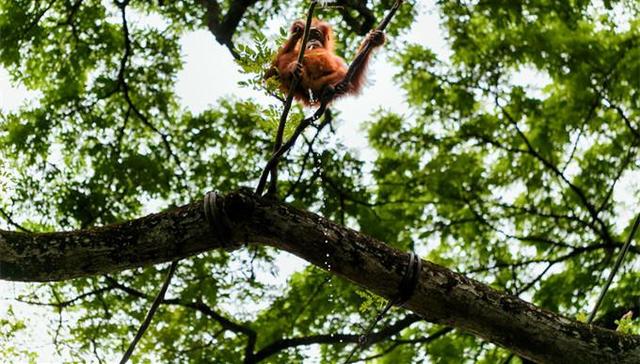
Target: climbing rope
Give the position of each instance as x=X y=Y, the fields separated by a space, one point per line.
x=406 y=288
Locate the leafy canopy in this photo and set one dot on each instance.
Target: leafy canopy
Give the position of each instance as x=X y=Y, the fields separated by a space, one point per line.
x=514 y=163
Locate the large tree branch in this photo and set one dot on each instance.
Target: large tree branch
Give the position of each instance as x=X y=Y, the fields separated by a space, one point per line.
x=441 y=296
x=224 y=27
x=363 y=21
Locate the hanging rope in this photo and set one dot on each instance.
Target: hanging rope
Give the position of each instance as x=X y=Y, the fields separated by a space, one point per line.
x=614 y=270
x=215 y=215
x=405 y=291
x=287 y=104
x=152 y=311
x=362 y=55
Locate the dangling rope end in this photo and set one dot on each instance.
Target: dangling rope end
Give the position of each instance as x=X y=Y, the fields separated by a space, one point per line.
x=406 y=289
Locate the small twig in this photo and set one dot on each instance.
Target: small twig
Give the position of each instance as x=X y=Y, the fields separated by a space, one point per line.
x=123 y=86
x=62 y=304
x=326 y=121
x=9 y=219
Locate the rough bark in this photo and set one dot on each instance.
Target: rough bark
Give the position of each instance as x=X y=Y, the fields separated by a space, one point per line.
x=442 y=296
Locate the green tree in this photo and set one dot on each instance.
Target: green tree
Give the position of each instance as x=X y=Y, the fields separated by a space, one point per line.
x=529 y=191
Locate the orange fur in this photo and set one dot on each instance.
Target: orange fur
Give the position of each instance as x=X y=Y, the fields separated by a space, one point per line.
x=321 y=67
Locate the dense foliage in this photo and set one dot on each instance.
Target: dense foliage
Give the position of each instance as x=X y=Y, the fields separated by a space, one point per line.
x=529 y=189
